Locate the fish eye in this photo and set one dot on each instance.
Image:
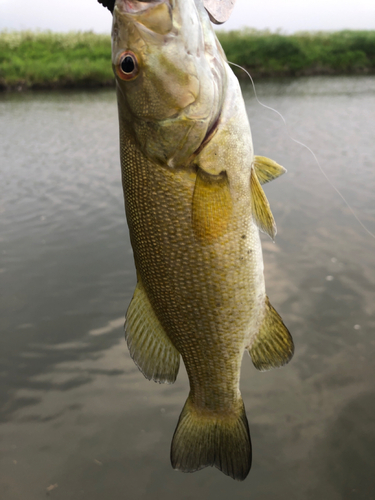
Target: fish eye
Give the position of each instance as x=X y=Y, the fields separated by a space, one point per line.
x=127 y=67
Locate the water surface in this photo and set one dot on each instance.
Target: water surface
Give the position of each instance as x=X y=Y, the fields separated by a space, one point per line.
x=77 y=418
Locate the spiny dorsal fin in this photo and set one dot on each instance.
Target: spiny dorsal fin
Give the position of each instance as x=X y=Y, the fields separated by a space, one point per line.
x=273 y=345
x=149 y=345
x=260 y=207
x=267 y=169
x=212 y=206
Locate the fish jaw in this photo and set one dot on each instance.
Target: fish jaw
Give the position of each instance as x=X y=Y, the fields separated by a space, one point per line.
x=155 y=15
x=176 y=95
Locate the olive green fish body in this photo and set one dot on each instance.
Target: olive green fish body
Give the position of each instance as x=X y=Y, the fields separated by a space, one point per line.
x=194 y=203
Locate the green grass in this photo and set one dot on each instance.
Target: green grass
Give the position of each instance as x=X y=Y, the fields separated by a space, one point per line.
x=273 y=54
x=55 y=60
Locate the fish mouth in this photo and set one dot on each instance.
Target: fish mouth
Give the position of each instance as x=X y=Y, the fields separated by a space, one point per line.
x=137 y=6
x=155 y=15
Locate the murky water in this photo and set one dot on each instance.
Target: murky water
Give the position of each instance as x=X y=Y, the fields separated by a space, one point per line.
x=78 y=420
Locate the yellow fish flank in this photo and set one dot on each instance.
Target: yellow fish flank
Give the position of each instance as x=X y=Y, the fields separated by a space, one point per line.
x=194 y=205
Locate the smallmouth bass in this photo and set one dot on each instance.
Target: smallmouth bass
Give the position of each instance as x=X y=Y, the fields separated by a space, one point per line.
x=194 y=205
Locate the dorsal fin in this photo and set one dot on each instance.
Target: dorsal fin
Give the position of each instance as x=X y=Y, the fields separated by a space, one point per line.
x=266 y=169
x=260 y=207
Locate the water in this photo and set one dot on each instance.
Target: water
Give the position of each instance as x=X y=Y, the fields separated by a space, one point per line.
x=77 y=418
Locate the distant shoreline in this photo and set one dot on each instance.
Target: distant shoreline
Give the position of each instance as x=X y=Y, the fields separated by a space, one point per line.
x=46 y=60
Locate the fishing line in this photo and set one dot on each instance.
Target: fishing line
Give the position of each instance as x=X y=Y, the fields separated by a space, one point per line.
x=308 y=149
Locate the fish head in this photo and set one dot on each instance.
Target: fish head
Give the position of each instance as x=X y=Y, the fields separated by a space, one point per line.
x=170 y=75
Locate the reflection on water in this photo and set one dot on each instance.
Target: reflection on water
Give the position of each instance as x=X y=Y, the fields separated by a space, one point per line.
x=75 y=411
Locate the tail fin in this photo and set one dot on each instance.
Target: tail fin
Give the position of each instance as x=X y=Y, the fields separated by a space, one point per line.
x=212 y=440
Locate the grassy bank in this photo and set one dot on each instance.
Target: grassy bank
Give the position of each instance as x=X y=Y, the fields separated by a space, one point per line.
x=272 y=54
x=54 y=60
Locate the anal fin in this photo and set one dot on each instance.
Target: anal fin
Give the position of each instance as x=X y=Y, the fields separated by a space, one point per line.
x=273 y=345
x=148 y=344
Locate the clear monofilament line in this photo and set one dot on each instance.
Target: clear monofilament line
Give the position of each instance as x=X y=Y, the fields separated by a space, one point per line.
x=308 y=149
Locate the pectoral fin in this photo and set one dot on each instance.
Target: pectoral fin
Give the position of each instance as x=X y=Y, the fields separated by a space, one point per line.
x=149 y=345
x=267 y=169
x=260 y=207
x=212 y=206
x=273 y=346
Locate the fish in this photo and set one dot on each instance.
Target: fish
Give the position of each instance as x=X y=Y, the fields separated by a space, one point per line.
x=194 y=204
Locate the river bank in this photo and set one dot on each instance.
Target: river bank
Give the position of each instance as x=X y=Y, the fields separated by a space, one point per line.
x=46 y=60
